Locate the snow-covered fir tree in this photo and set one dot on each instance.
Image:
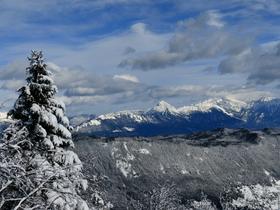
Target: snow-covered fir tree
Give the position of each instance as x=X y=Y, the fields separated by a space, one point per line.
x=38 y=169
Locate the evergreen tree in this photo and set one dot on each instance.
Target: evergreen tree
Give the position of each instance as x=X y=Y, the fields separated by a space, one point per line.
x=38 y=169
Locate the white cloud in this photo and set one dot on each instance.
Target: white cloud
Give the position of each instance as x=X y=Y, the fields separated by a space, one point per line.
x=126 y=77
x=214 y=19
x=139 y=28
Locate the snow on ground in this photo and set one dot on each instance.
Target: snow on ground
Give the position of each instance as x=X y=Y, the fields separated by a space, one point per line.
x=128 y=129
x=184 y=171
x=123 y=162
x=125 y=168
x=266 y=173
x=94 y=122
x=109 y=116
x=116 y=131
x=259 y=197
x=162 y=168
x=144 y=151
x=129 y=155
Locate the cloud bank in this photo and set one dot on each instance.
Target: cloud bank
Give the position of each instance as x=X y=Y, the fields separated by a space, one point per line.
x=261 y=64
x=197 y=38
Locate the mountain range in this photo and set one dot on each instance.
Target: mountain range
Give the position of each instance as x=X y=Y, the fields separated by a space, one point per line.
x=165 y=119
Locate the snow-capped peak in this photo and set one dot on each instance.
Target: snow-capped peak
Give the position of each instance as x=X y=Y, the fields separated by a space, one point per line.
x=227 y=105
x=163 y=106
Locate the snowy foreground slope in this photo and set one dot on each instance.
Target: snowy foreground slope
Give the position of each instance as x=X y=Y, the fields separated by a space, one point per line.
x=224 y=167
x=164 y=119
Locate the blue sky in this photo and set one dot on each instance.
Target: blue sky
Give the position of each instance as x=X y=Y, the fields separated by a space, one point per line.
x=110 y=55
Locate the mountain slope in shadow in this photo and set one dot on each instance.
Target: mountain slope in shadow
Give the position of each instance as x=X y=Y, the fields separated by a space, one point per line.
x=208 y=162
